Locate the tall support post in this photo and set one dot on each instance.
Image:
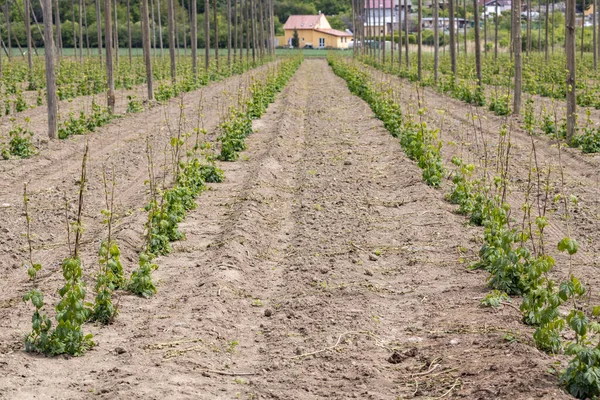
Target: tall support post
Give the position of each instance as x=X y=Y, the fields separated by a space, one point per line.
x=518 y=63
x=110 y=94
x=146 y=48
x=570 y=52
x=50 y=71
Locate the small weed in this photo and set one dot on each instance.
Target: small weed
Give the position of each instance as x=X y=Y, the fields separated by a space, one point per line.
x=494 y=299
x=231 y=346
x=257 y=303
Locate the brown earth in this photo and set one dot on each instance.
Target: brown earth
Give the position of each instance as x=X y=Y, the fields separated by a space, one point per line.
x=322 y=268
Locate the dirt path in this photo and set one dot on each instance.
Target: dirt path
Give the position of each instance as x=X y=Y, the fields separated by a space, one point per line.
x=322 y=240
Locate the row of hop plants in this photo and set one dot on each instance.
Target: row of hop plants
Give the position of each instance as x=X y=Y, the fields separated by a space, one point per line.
x=167 y=207
x=189 y=82
x=518 y=265
x=419 y=142
x=587 y=138
x=238 y=125
x=20 y=144
x=515 y=258
x=540 y=77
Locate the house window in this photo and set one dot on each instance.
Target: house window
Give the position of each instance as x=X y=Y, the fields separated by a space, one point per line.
x=321 y=42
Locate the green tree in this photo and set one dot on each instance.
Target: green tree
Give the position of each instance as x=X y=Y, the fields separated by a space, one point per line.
x=296 y=39
x=285 y=8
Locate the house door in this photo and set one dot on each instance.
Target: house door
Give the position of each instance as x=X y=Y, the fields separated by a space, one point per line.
x=321 y=42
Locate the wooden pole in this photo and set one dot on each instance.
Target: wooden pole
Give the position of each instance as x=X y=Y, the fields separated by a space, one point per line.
x=110 y=95
x=99 y=30
x=146 y=48
x=50 y=71
x=129 y=31
x=570 y=53
x=518 y=64
x=216 y=23
x=194 y=41
x=26 y=19
x=206 y=34
x=171 y=17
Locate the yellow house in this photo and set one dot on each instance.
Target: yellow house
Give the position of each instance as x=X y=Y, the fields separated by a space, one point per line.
x=589 y=11
x=315 y=31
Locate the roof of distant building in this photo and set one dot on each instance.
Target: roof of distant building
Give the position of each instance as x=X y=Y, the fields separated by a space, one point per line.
x=302 y=22
x=335 y=32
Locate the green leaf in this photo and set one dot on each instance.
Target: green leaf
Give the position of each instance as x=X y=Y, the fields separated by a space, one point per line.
x=569 y=245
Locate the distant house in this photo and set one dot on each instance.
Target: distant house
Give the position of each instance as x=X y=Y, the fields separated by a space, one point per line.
x=489 y=6
x=444 y=23
x=315 y=31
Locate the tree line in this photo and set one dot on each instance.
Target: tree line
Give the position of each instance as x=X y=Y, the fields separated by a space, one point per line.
x=78 y=22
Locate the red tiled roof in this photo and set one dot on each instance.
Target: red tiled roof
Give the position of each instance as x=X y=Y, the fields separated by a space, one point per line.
x=302 y=22
x=379 y=3
x=334 y=32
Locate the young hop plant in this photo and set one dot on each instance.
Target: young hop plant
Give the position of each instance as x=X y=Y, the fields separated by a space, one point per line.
x=20 y=144
x=71 y=310
x=110 y=274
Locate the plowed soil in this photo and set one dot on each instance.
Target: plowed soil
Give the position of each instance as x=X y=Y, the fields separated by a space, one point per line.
x=323 y=267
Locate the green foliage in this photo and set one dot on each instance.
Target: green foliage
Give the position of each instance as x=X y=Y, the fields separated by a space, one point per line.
x=20 y=104
x=141 y=279
x=134 y=105
x=73 y=126
x=19 y=145
x=72 y=313
x=211 y=173
x=109 y=277
x=110 y=274
x=83 y=124
x=547 y=123
x=462 y=90
x=165 y=215
x=582 y=377
x=499 y=104
x=569 y=245
x=165 y=92
x=233 y=133
x=40 y=338
x=588 y=141
x=529 y=122
x=494 y=299
x=470 y=194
